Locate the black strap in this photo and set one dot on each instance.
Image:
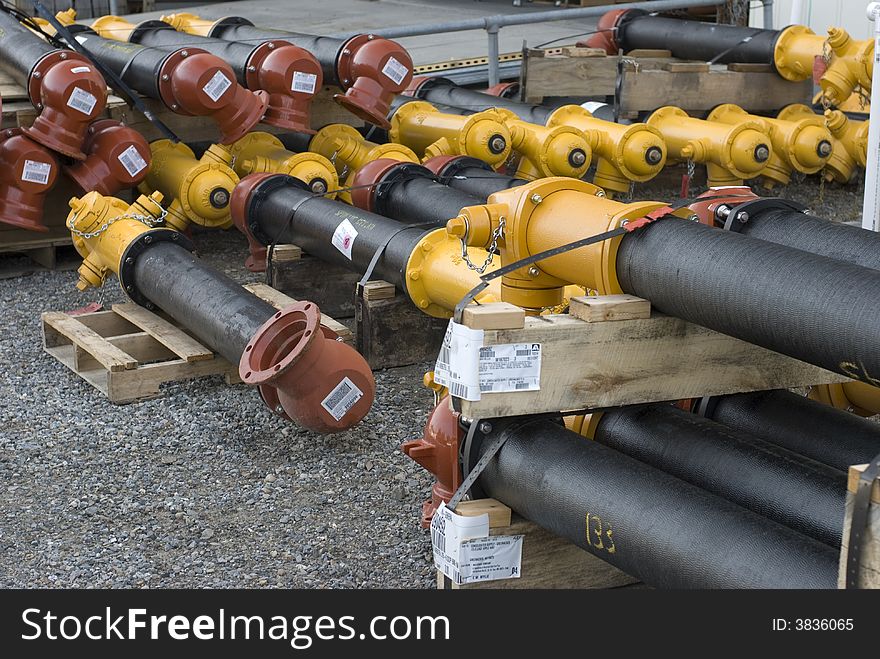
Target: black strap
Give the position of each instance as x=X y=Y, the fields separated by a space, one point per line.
x=861 y=505
x=381 y=250
x=128 y=94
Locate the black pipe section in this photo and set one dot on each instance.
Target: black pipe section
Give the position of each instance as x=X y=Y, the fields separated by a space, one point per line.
x=822 y=311
x=282 y=210
x=474 y=177
x=696 y=40
x=823 y=433
x=443 y=91
x=816 y=235
x=20 y=49
x=668 y=533
x=799 y=493
x=325 y=49
x=213 y=307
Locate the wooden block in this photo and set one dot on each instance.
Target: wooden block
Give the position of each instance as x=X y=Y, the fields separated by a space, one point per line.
x=869 y=569
x=576 y=51
x=106 y=354
x=494 y=316
x=749 y=67
x=279 y=300
x=172 y=337
x=688 y=67
x=379 y=290
x=637 y=361
x=393 y=332
x=282 y=253
x=499 y=514
x=600 y=308
x=331 y=287
x=648 y=53
x=548 y=561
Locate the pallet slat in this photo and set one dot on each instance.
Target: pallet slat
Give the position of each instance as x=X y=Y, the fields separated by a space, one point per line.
x=104 y=352
x=173 y=338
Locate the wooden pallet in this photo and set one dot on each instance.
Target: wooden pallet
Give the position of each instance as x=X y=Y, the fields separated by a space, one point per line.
x=652 y=79
x=548 y=561
x=640 y=357
x=869 y=572
x=389 y=330
x=127 y=353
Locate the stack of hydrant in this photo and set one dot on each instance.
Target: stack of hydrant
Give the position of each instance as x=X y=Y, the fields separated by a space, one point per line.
x=460 y=197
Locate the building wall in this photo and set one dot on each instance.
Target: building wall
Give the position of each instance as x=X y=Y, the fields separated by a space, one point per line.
x=819 y=15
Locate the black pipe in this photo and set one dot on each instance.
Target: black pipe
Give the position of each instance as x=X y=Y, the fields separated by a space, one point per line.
x=696 y=40
x=668 y=533
x=819 y=310
x=281 y=210
x=213 y=307
x=138 y=66
x=20 y=49
x=820 y=432
x=815 y=235
x=804 y=495
x=325 y=49
x=475 y=177
x=160 y=35
x=443 y=91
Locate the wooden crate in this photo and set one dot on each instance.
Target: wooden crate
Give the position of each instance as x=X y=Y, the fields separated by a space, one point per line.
x=127 y=353
x=869 y=572
x=548 y=561
x=652 y=79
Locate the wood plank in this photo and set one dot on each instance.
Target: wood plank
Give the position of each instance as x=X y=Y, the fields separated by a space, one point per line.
x=686 y=67
x=108 y=355
x=548 y=561
x=279 y=300
x=172 y=337
x=498 y=315
x=379 y=290
x=637 y=361
x=649 y=53
x=869 y=572
x=750 y=67
x=145 y=382
x=282 y=253
x=601 y=308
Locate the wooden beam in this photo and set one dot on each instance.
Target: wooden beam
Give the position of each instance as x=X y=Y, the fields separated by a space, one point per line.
x=869 y=568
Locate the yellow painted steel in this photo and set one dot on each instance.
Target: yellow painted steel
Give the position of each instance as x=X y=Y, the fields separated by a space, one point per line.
x=113 y=27
x=437 y=277
x=731 y=153
x=200 y=190
x=851 y=62
x=111 y=225
x=623 y=153
x=189 y=23
x=66 y=17
x=801 y=143
x=542 y=215
x=857 y=397
x=548 y=150
x=430 y=133
x=349 y=151
x=264 y=153
x=850 y=146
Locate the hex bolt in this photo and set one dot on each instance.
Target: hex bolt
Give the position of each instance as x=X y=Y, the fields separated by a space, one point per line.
x=184 y=53
x=534 y=272
x=485 y=427
x=762 y=153
x=654 y=155
x=536 y=199
x=497 y=144
x=166 y=77
x=577 y=158
x=742 y=216
x=252 y=69
x=824 y=149
x=148 y=240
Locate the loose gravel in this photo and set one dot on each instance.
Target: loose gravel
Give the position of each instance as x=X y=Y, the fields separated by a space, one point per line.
x=203 y=487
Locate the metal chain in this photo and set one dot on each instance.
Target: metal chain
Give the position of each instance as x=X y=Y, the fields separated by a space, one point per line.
x=496 y=234
x=150 y=221
x=691 y=169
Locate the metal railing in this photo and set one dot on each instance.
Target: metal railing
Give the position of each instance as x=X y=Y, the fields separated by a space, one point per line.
x=492 y=25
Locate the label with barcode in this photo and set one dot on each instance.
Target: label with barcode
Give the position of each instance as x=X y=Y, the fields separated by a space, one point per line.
x=80 y=69
x=510 y=367
x=217 y=86
x=36 y=172
x=464 y=551
x=132 y=160
x=342 y=399
x=81 y=101
x=457 y=366
x=395 y=71
x=304 y=82
x=343 y=238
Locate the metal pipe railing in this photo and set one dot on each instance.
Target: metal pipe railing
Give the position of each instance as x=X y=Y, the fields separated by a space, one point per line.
x=492 y=24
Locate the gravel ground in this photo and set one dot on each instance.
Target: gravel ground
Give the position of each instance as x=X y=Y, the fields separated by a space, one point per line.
x=203 y=487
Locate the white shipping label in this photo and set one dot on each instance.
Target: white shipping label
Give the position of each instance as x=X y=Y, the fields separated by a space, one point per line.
x=342 y=399
x=592 y=106
x=458 y=364
x=304 y=82
x=510 y=367
x=81 y=101
x=343 y=238
x=465 y=553
x=217 y=86
x=36 y=172
x=132 y=161
x=395 y=71
x=80 y=69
